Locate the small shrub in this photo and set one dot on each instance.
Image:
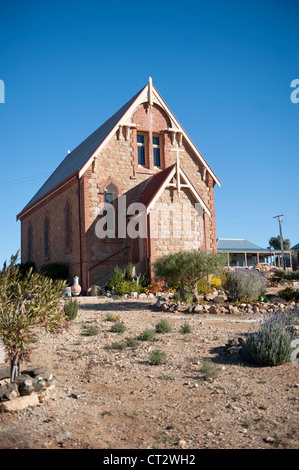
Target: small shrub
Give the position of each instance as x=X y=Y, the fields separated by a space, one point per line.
x=204 y=286
x=90 y=330
x=245 y=285
x=113 y=318
x=133 y=342
x=208 y=369
x=185 y=328
x=163 y=327
x=158 y=357
x=116 y=345
x=271 y=344
x=119 y=328
x=71 y=309
x=126 y=287
x=115 y=279
x=143 y=281
x=216 y=282
x=183 y=296
x=55 y=271
x=156 y=286
x=289 y=294
x=147 y=335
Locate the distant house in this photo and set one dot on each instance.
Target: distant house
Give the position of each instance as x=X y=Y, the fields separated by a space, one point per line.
x=296 y=249
x=242 y=253
x=140 y=155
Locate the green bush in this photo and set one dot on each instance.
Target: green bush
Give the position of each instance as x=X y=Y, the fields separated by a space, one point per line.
x=289 y=294
x=183 y=296
x=245 y=285
x=163 y=327
x=158 y=357
x=55 y=271
x=115 y=279
x=147 y=335
x=132 y=342
x=287 y=275
x=208 y=369
x=90 y=330
x=116 y=345
x=113 y=318
x=271 y=344
x=186 y=328
x=186 y=268
x=119 y=328
x=71 y=309
x=126 y=287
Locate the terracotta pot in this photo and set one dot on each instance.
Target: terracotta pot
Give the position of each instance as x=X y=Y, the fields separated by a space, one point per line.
x=76 y=288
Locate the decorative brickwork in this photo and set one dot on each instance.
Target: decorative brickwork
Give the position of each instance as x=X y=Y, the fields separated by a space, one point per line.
x=116 y=164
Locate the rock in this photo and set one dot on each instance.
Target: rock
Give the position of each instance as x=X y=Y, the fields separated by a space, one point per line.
x=214 y=309
x=134 y=295
x=269 y=439
x=9 y=391
x=219 y=299
x=95 y=291
x=19 y=403
x=142 y=296
x=190 y=308
x=182 y=443
x=159 y=303
x=25 y=384
x=165 y=306
x=198 y=308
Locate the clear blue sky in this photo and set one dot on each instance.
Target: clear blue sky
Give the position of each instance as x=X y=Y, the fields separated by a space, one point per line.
x=223 y=67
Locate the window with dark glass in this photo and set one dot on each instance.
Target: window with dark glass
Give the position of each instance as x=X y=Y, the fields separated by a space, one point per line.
x=46 y=237
x=141 y=149
x=156 y=150
x=68 y=226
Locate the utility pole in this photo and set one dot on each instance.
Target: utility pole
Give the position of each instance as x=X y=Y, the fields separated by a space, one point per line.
x=281 y=239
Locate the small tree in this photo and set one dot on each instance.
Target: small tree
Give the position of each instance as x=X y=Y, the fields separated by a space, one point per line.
x=186 y=268
x=276 y=243
x=27 y=302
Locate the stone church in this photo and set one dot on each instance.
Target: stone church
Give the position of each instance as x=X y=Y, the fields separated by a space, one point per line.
x=142 y=164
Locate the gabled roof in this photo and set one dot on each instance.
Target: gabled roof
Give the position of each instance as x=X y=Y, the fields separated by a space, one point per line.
x=295 y=247
x=237 y=245
x=82 y=156
x=158 y=182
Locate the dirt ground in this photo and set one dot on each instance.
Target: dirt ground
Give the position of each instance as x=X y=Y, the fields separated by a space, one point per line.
x=115 y=399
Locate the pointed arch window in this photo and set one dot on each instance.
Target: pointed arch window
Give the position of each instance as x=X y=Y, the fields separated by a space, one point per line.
x=46 y=237
x=111 y=197
x=68 y=227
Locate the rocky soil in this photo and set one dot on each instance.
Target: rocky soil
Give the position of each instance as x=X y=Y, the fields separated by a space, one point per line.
x=115 y=399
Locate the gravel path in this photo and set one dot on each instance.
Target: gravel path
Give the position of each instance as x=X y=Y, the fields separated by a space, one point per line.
x=108 y=399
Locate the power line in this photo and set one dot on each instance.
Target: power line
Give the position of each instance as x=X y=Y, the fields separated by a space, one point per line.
x=26 y=179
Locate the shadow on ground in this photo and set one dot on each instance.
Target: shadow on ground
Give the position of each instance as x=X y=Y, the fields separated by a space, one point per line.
x=119 y=306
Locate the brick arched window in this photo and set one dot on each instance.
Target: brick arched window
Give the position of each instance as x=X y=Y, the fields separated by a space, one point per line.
x=68 y=226
x=29 y=243
x=46 y=237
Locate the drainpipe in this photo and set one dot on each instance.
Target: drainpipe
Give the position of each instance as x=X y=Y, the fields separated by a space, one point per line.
x=80 y=235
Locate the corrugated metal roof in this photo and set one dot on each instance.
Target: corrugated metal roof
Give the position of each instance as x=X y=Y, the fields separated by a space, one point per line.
x=237 y=244
x=76 y=159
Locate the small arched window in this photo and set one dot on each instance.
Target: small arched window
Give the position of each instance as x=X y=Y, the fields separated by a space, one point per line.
x=29 y=243
x=68 y=229
x=46 y=237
